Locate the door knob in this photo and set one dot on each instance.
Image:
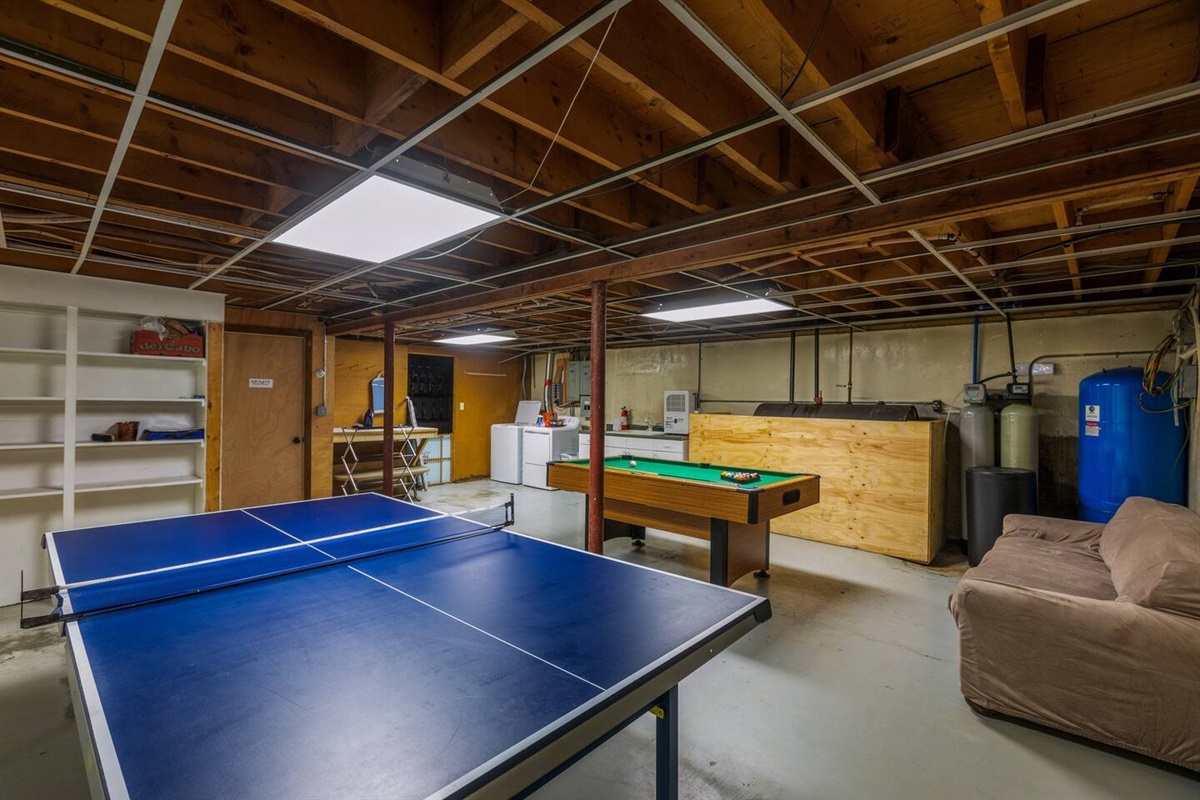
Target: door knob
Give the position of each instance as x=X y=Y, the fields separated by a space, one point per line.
x=296 y=440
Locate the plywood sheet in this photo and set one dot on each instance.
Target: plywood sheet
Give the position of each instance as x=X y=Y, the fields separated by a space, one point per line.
x=881 y=482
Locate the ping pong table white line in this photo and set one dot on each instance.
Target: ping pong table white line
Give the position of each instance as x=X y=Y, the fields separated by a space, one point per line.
x=650 y=669
x=111 y=777
x=635 y=564
x=248 y=553
x=442 y=611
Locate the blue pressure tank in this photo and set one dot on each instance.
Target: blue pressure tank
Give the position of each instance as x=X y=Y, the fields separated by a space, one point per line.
x=1126 y=449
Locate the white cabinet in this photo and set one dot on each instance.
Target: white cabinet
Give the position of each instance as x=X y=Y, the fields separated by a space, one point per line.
x=66 y=373
x=668 y=448
x=541 y=445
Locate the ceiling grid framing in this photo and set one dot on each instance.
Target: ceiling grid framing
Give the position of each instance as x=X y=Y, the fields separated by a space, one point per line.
x=587 y=217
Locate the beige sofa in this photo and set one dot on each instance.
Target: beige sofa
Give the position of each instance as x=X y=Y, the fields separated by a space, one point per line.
x=1092 y=629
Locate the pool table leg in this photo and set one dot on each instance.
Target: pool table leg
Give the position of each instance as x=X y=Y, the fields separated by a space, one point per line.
x=736 y=548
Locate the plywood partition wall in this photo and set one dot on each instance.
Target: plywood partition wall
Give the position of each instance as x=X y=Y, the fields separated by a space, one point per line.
x=881 y=482
x=486 y=391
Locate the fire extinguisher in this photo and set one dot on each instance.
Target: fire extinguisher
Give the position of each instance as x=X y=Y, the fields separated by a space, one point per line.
x=624 y=418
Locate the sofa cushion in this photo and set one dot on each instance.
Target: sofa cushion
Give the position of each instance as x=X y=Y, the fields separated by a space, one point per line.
x=1152 y=550
x=1045 y=566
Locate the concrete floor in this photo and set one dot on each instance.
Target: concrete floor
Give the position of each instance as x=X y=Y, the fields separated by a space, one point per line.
x=850 y=691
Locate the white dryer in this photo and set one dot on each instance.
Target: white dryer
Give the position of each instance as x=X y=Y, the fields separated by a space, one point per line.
x=542 y=445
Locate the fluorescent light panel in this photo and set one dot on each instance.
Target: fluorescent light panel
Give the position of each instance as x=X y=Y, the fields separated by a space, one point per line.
x=477 y=338
x=380 y=219
x=733 y=308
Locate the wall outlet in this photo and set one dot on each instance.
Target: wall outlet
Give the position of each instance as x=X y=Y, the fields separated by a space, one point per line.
x=462 y=406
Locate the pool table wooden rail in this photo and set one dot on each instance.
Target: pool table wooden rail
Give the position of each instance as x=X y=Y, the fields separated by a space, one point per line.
x=734 y=519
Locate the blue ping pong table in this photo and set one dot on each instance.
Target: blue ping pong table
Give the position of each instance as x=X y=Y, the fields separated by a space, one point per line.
x=362 y=647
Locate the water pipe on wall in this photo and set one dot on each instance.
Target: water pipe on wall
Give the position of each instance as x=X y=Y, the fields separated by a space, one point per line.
x=849 y=384
x=975 y=353
x=792 y=369
x=817 y=365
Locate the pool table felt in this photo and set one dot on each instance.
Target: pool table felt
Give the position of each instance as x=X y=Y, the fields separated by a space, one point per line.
x=685 y=470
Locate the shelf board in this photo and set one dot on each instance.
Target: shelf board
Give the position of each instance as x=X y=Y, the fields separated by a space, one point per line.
x=29 y=400
x=32 y=446
x=132 y=358
x=193 y=400
x=141 y=443
x=32 y=352
x=139 y=483
x=30 y=491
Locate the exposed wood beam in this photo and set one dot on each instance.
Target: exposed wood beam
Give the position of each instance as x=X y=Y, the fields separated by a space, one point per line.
x=853 y=279
x=789 y=28
x=842 y=217
x=1008 y=53
x=1064 y=217
x=884 y=249
x=1041 y=99
x=683 y=83
x=1181 y=197
x=42 y=143
x=905 y=136
x=470 y=29
x=599 y=130
x=77 y=109
x=606 y=142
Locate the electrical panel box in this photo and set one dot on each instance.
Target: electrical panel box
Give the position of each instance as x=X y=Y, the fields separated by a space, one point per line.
x=579 y=380
x=974 y=393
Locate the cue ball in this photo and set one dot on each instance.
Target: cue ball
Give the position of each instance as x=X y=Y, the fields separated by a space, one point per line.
x=632 y=463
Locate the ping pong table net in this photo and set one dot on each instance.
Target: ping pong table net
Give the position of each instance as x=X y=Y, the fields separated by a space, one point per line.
x=172 y=581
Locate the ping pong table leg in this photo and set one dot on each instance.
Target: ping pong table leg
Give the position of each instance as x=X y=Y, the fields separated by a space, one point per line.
x=666 y=730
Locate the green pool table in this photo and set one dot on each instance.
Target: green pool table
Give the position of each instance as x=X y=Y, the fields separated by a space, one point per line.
x=693 y=499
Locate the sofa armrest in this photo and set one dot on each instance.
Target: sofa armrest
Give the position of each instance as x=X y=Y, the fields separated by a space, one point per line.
x=1053 y=529
x=1111 y=671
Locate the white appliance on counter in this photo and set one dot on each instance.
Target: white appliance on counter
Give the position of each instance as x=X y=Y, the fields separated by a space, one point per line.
x=547 y=444
x=507 y=441
x=677 y=407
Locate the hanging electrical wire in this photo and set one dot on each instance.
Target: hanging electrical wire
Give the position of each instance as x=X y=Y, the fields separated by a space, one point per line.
x=1151 y=369
x=567 y=114
x=808 y=52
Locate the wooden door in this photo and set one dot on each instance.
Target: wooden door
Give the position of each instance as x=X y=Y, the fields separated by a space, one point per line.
x=264 y=449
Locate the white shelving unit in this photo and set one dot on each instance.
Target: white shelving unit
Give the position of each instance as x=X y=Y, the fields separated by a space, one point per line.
x=66 y=373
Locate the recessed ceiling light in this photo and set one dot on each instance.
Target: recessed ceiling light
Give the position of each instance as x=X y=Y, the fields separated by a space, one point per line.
x=477 y=338
x=381 y=219
x=730 y=308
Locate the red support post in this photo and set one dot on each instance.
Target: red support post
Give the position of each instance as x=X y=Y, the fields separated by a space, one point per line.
x=595 y=521
x=389 y=405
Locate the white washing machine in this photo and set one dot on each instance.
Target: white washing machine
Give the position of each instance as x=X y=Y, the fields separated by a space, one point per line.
x=547 y=444
x=506 y=442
